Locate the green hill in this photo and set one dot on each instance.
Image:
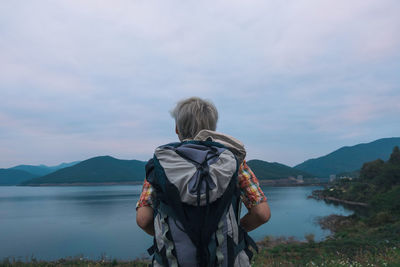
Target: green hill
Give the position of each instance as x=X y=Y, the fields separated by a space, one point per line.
x=103 y=169
x=14 y=177
x=272 y=171
x=348 y=159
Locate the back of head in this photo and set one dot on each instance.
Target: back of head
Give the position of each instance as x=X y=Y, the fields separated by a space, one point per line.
x=193 y=115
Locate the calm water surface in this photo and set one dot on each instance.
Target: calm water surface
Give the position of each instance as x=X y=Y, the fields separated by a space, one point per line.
x=93 y=221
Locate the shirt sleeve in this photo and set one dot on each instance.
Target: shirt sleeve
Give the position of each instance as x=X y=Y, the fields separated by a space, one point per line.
x=146 y=197
x=251 y=192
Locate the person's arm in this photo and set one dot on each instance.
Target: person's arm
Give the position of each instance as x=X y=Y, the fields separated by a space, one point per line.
x=256 y=216
x=144 y=210
x=145 y=219
x=253 y=198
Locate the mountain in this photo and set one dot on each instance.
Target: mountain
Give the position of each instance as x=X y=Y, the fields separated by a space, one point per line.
x=41 y=170
x=103 y=169
x=348 y=159
x=272 y=171
x=14 y=177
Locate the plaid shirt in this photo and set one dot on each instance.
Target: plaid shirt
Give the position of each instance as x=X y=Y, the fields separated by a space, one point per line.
x=251 y=193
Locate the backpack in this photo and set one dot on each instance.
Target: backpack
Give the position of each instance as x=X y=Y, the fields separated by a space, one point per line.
x=197 y=206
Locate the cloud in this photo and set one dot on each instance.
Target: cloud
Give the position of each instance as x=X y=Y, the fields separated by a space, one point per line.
x=282 y=73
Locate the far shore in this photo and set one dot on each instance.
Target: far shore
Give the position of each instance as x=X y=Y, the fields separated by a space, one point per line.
x=288 y=182
x=84 y=184
x=272 y=183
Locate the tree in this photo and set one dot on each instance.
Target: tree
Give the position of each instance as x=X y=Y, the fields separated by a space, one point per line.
x=371 y=169
x=395 y=156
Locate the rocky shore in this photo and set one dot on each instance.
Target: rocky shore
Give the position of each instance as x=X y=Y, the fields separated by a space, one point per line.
x=318 y=194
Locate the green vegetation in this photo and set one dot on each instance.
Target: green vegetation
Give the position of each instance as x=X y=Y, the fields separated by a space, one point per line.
x=370 y=238
x=349 y=159
x=378 y=185
x=324 y=254
x=273 y=171
x=104 y=169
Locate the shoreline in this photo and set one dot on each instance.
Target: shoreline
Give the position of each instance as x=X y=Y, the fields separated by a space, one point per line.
x=272 y=183
x=317 y=194
x=84 y=184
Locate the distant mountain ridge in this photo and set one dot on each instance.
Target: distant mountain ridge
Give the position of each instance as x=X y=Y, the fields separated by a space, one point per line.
x=102 y=169
x=13 y=177
x=350 y=158
x=40 y=170
x=272 y=171
x=106 y=169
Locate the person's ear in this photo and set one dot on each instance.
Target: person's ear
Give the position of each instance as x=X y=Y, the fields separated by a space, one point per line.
x=176 y=130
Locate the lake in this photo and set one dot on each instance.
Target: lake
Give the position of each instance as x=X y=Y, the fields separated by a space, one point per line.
x=99 y=221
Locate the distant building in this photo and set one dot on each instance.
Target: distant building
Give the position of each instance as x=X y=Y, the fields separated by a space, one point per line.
x=332 y=177
x=300 y=178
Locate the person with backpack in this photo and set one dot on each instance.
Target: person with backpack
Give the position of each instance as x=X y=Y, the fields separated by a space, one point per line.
x=192 y=194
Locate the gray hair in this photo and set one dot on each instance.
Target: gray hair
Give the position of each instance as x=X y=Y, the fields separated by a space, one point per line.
x=193 y=115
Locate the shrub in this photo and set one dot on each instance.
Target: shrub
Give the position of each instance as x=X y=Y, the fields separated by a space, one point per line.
x=310 y=238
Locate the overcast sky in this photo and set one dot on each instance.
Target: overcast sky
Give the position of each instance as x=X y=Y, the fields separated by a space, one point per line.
x=292 y=79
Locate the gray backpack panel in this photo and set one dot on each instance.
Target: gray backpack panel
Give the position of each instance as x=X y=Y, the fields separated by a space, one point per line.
x=186 y=251
x=185 y=175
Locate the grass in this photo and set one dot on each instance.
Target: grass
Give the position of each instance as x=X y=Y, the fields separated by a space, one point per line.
x=73 y=262
x=325 y=254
